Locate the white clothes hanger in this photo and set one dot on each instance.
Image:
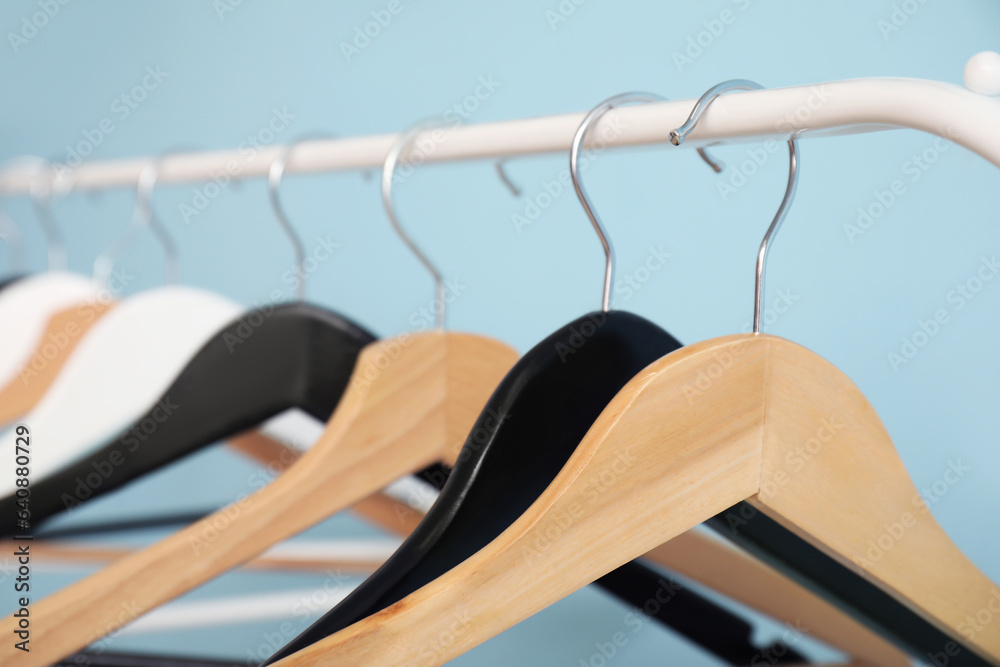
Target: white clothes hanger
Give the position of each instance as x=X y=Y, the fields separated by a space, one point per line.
x=27 y=305
x=124 y=363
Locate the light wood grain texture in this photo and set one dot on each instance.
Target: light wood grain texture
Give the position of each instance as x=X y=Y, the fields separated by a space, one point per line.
x=721 y=567
x=399 y=414
x=63 y=331
x=697 y=431
x=743 y=578
x=379 y=509
x=90 y=554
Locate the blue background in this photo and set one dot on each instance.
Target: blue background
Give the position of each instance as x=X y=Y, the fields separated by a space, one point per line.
x=227 y=71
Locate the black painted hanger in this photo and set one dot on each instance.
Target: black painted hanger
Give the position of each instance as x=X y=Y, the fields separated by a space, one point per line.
x=529 y=428
x=271 y=359
x=298 y=356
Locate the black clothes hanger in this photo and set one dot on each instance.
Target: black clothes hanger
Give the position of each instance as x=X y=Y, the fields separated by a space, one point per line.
x=530 y=427
x=528 y=430
x=7 y=281
x=765 y=538
x=102 y=659
x=298 y=356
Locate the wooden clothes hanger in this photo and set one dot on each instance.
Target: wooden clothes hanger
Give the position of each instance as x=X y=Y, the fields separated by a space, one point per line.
x=30 y=302
x=410 y=402
x=695 y=454
x=292 y=355
x=65 y=329
x=530 y=426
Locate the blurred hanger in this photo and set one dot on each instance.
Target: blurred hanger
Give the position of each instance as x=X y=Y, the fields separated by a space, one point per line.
x=692 y=457
x=64 y=329
x=530 y=427
x=28 y=304
x=117 y=371
x=289 y=355
x=409 y=403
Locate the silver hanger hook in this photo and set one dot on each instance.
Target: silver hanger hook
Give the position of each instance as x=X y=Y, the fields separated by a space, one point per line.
x=388 y=170
x=677 y=138
x=274 y=176
x=574 y=171
x=41 y=190
x=143 y=218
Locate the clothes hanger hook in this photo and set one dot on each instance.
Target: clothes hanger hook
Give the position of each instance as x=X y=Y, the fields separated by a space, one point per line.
x=677 y=138
x=274 y=175
x=41 y=190
x=574 y=171
x=388 y=170
x=143 y=218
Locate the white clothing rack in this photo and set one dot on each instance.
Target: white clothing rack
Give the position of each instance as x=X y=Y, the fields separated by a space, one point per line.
x=968 y=116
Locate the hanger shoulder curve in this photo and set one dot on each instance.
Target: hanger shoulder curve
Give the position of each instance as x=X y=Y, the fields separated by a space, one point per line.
x=132 y=353
x=682 y=442
x=549 y=551
x=25 y=307
x=847 y=457
x=391 y=421
x=256 y=366
x=62 y=333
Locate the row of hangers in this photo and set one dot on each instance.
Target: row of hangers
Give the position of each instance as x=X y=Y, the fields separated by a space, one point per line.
x=563 y=469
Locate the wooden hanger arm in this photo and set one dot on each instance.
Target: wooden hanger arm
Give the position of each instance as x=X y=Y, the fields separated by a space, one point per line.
x=698 y=435
x=64 y=330
x=831 y=475
x=393 y=419
x=725 y=569
x=732 y=572
x=631 y=485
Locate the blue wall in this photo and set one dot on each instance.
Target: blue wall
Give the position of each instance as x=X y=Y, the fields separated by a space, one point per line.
x=231 y=72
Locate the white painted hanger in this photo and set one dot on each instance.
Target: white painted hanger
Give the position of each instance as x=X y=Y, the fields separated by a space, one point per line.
x=124 y=363
x=27 y=305
x=25 y=309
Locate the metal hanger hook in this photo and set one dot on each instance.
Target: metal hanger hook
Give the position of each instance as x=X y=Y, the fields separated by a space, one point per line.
x=677 y=138
x=41 y=191
x=574 y=171
x=143 y=218
x=274 y=175
x=388 y=170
